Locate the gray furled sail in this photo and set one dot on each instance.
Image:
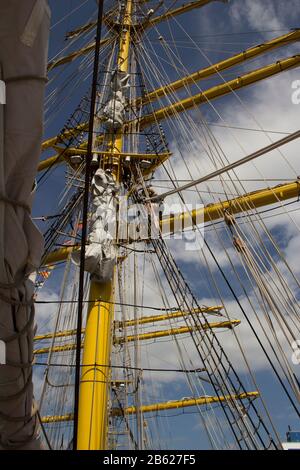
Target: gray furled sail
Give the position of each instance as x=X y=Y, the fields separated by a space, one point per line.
x=24 y=31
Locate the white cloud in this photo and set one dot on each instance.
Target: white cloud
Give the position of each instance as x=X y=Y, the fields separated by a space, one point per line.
x=45 y=313
x=259 y=15
x=264 y=15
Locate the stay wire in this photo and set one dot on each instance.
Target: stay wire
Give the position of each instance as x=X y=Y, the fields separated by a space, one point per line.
x=84 y=221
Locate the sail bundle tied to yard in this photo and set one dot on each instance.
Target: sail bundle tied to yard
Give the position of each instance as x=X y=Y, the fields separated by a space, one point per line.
x=114 y=111
x=100 y=255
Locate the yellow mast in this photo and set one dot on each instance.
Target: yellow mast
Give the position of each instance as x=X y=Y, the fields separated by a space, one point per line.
x=95 y=378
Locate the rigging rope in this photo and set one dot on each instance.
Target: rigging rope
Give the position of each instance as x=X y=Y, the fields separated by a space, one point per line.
x=231 y=166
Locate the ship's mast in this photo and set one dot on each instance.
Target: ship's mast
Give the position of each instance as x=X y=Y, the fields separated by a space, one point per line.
x=95 y=378
x=91 y=423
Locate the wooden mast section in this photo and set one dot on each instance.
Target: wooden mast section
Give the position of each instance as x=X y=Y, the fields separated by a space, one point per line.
x=95 y=378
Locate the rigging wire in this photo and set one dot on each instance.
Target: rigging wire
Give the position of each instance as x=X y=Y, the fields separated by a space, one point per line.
x=84 y=220
x=125 y=303
x=181 y=288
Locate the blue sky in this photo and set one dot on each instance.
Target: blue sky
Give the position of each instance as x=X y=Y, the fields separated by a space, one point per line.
x=218 y=31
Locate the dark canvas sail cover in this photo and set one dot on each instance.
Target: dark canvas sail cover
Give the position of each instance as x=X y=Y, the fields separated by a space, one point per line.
x=24 y=29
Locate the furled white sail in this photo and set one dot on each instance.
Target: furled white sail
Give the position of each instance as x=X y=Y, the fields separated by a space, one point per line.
x=24 y=30
x=114 y=111
x=100 y=255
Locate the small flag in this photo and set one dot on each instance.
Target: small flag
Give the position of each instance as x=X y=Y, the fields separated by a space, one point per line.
x=44 y=274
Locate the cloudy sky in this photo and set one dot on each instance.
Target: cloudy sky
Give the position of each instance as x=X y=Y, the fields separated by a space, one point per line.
x=237 y=125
